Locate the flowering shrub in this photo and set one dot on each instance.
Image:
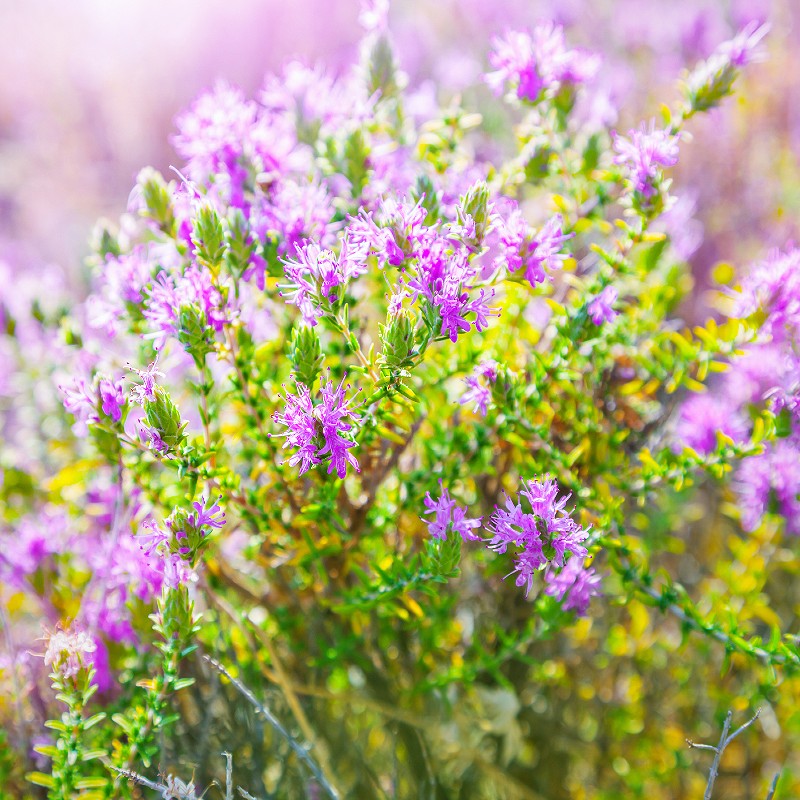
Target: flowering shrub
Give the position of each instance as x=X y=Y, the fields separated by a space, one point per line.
x=365 y=412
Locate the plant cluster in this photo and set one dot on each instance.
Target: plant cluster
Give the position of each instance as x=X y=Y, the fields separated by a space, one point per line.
x=370 y=405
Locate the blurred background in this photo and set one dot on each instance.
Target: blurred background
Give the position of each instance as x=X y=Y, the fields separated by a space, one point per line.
x=89 y=91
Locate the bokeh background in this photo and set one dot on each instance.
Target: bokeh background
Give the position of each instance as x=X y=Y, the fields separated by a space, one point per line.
x=89 y=91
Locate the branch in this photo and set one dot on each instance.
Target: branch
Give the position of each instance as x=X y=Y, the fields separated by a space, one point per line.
x=724 y=741
x=301 y=751
x=773 y=785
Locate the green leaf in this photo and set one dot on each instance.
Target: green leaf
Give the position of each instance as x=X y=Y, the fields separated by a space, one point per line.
x=92 y=721
x=40 y=779
x=91 y=783
x=91 y=755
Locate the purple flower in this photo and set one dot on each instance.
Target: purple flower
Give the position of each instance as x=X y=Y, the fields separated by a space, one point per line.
x=546 y=534
x=444 y=275
x=301 y=428
x=122 y=282
x=600 y=307
x=227 y=140
x=169 y=293
x=534 y=64
x=477 y=391
x=121 y=572
x=644 y=152
x=334 y=414
x=167 y=566
x=449 y=517
x=81 y=402
x=315 y=274
x=29 y=546
x=321 y=430
x=293 y=213
x=69 y=651
x=771 y=481
x=212 y=517
x=152 y=438
x=712 y=79
x=524 y=249
x=112 y=398
x=146 y=389
x=774 y=286
x=743 y=48
x=702 y=415
x=313 y=105
x=401 y=234
x=575 y=581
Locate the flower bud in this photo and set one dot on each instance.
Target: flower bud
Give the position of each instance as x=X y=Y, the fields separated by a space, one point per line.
x=381 y=66
x=356 y=155
x=397 y=338
x=156 y=197
x=505 y=389
x=208 y=236
x=713 y=79
x=194 y=332
x=240 y=242
x=305 y=354
x=104 y=241
x=163 y=417
x=424 y=188
x=475 y=206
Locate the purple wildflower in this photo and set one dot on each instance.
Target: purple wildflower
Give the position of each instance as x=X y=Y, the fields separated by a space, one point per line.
x=449 y=517
x=121 y=572
x=315 y=274
x=774 y=285
x=443 y=276
x=81 y=402
x=311 y=103
x=537 y=63
x=577 y=582
x=702 y=415
x=317 y=431
x=68 y=652
x=35 y=538
x=152 y=438
x=112 y=398
x=644 y=152
x=713 y=79
x=477 y=391
x=334 y=413
x=226 y=140
x=401 y=234
x=301 y=425
x=168 y=293
x=123 y=282
x=171 y=570
x=524 y=249
x=212 y=517
x=293 y=213
x=600 y=308
x=743 y=48
x=146 y=389
x=547 y=528
x=771 y=481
